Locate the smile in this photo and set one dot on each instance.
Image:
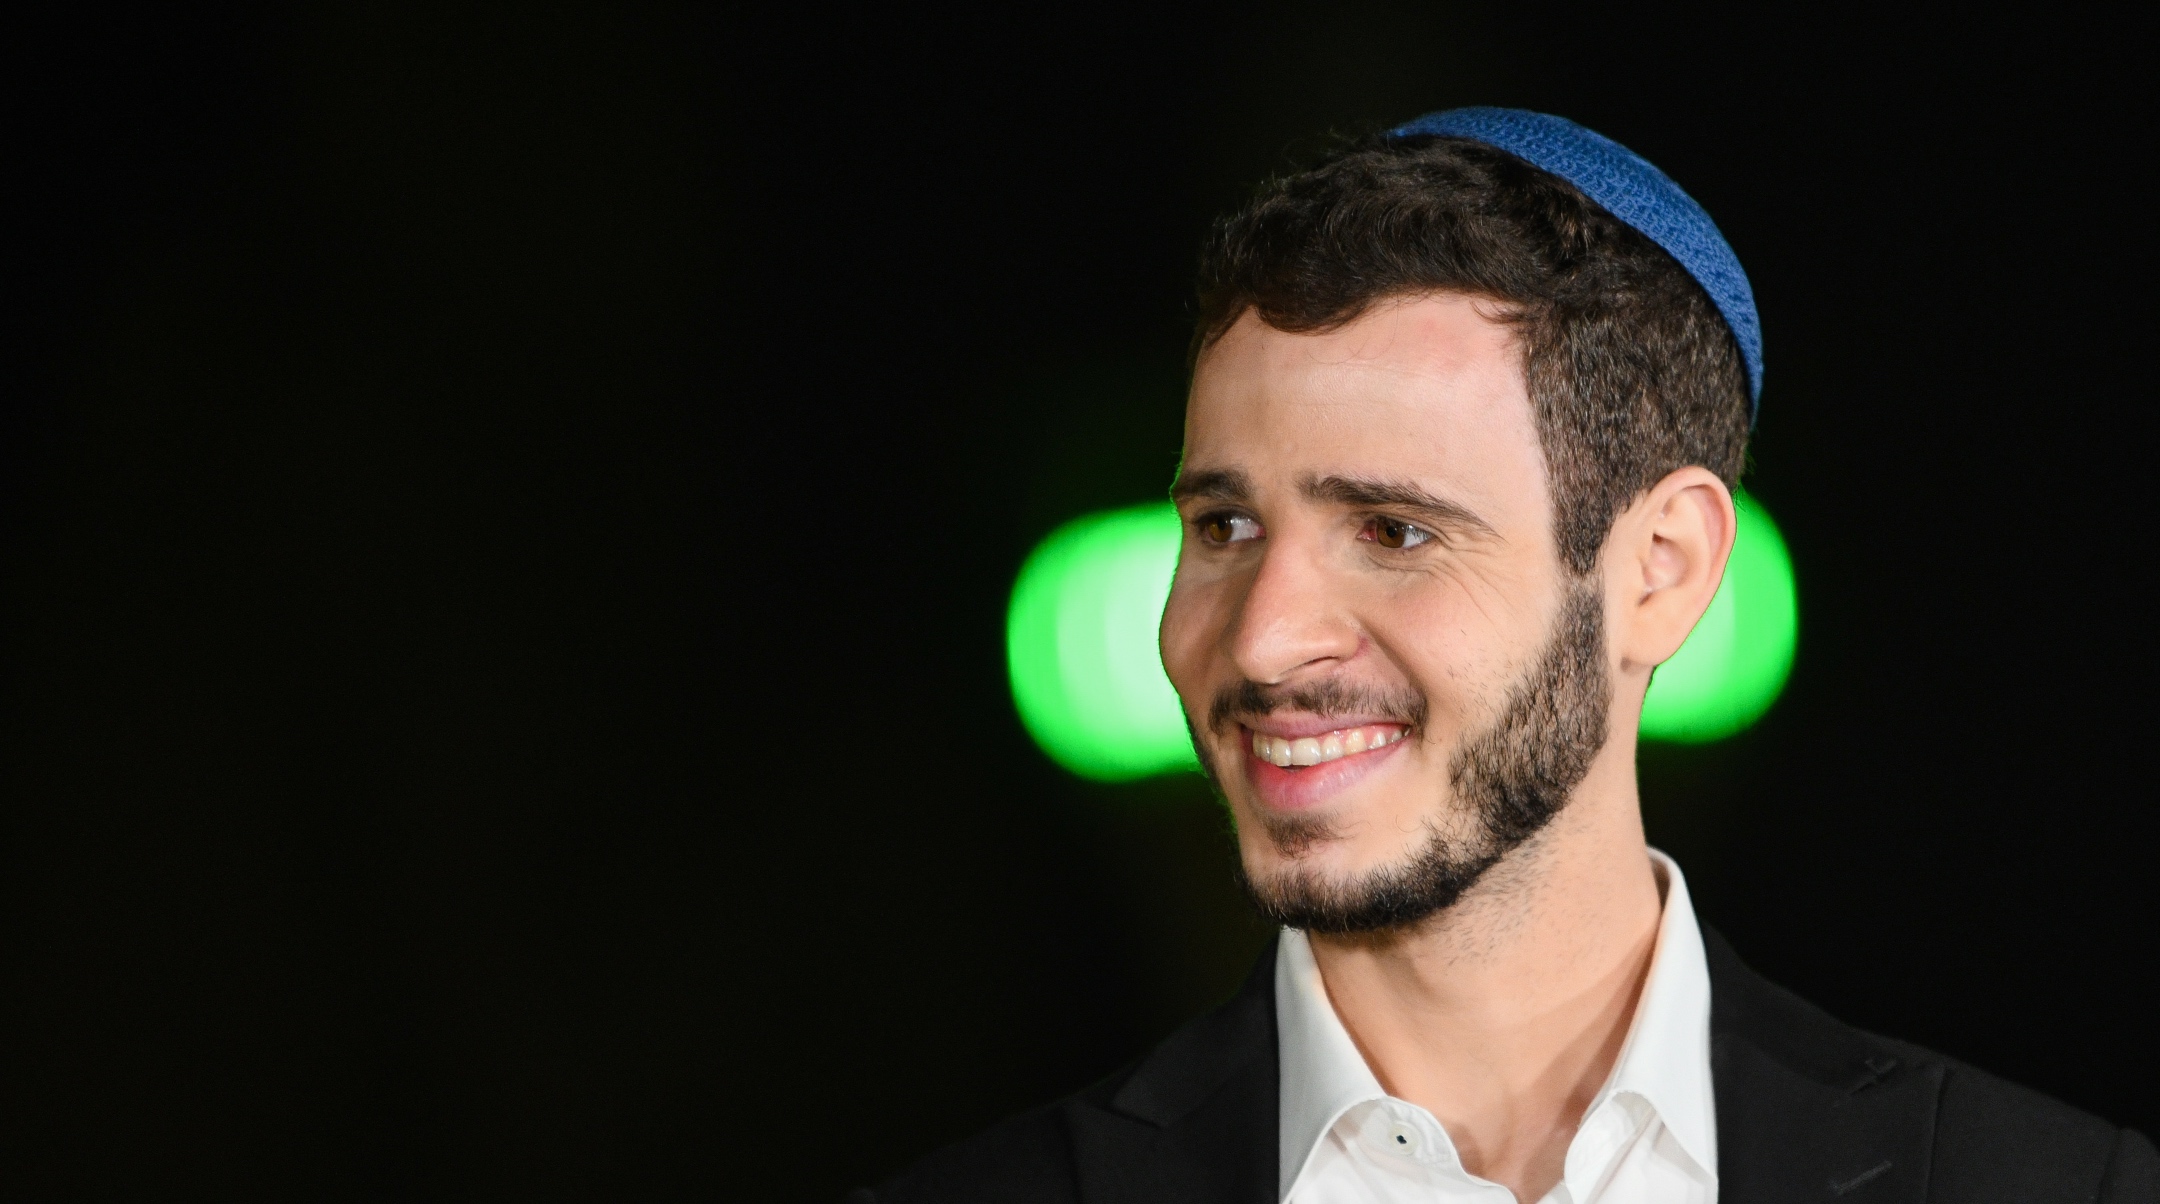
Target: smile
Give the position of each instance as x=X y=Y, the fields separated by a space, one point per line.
x=1283 y=752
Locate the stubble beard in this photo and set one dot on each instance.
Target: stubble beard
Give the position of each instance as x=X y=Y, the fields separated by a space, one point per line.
x=1506 y=782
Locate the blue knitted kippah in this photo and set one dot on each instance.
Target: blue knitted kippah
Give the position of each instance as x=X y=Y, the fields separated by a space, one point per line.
x=1630 y=189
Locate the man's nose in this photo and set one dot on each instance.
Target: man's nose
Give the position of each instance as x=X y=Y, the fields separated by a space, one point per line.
x=1291 y=619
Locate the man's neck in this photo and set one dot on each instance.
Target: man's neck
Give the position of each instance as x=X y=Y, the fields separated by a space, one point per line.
x=1504 y=1016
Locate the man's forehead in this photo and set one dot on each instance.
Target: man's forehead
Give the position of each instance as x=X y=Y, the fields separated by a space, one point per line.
x=1425 y=389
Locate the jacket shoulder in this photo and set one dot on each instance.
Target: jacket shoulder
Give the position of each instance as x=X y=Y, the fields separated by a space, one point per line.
x=1983 y=1139
x=1996 y=1140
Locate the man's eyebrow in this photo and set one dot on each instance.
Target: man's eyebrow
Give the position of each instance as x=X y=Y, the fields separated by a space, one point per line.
x=1221 y=484
x=1411 y=500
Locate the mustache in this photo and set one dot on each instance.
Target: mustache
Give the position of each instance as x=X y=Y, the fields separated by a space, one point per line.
x=1326 y=698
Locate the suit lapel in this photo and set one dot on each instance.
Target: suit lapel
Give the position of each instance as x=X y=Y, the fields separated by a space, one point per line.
x=1197 y=1121
x=1809 y=1109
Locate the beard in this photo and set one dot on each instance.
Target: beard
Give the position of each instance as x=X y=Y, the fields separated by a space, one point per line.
x=1506 y=781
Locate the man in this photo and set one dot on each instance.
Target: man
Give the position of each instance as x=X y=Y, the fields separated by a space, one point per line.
x=1469 y=402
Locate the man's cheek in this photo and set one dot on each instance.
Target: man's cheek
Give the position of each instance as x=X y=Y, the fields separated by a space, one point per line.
x=1184 y=644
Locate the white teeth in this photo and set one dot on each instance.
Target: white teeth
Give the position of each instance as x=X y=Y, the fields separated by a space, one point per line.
x=1329 y=746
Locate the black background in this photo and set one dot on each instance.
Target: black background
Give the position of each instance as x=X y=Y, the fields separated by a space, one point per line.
x=506 y=518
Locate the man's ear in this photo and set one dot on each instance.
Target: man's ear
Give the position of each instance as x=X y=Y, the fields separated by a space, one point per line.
x=1666 y=562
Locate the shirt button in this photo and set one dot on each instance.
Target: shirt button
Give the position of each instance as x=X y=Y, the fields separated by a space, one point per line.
x=1402 y=1137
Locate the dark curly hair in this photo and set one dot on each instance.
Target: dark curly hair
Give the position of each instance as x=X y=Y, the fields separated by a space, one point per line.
x=1631 y=370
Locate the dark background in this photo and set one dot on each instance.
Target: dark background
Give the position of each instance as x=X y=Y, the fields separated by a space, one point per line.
x=505 y=517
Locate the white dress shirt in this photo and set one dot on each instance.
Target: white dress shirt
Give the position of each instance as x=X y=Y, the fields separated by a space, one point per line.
x=1650 y=1134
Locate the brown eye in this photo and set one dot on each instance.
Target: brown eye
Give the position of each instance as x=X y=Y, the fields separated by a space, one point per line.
x=1227 y=528
x=1391 y=534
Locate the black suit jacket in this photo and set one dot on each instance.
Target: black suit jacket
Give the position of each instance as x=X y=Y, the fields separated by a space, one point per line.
x=1808 y=1109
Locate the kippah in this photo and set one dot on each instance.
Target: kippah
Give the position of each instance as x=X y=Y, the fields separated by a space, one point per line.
x=1630 y=189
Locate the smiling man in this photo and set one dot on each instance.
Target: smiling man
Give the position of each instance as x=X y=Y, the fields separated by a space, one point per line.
x=1469 y=403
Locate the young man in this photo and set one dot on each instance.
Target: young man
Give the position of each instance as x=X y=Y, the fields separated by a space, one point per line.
x=1468 y=406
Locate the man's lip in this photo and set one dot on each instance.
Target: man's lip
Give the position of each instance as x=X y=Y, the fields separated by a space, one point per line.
x=1299 y=727
x=1284 y=789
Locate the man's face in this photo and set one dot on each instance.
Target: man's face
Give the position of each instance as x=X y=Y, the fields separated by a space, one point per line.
x=1387 y=673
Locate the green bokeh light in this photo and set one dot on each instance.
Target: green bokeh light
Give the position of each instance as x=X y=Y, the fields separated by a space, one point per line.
x=1089 y=685
x=1080 y=645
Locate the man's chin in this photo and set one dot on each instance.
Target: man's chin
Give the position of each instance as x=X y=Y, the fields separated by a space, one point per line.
x=1327 y=886
x=1294 y=843
x=1292 y=864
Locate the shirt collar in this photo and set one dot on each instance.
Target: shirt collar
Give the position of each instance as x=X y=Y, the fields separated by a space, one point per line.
x=1665 y=1059
x=1323 y=1074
